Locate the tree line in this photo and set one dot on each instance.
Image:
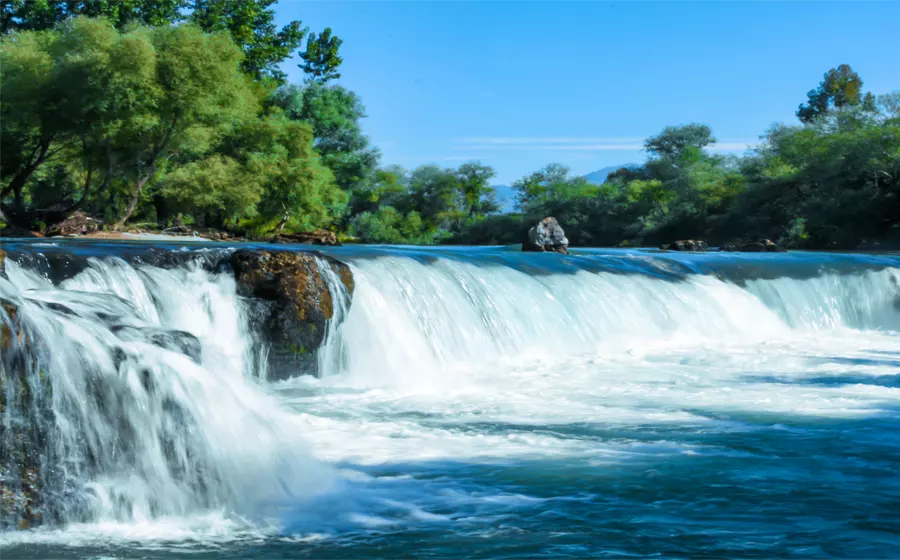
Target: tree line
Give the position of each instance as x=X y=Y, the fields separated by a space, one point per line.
x=831 y=181
x=177 y=111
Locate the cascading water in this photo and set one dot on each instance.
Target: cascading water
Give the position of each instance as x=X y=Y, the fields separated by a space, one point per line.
x=153 y=410
x=618 y=402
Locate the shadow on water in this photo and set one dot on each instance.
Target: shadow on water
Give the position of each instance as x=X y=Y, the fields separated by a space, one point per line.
x=748 y=489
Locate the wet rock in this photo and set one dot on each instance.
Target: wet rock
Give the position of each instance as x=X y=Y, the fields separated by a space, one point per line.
x=77 y=223
x=317 y=237
x=176 y=341
x=25 y=408
x=294 y=303
x=761 y=246
x=685 y=245
x=547 y=237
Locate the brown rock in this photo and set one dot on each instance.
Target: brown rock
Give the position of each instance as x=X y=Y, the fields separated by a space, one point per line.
x=317 y=237
x=296 y=302
x=685 y=245
x=77 y=223
x=761 y=246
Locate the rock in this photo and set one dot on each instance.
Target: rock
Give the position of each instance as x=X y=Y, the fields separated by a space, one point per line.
x=296 y=303
x=317 y=237
x=761 y=246
x=78 y=223
x=176 y=341
x=685 y=245
x=25 y=396
x=547 y=237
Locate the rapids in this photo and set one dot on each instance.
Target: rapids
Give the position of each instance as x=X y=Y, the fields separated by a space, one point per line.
x=468 y=402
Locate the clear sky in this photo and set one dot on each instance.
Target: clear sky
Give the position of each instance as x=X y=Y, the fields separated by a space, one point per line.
x=518 y=85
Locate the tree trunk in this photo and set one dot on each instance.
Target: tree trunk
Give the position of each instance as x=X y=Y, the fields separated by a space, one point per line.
x=132 y=204
x=281 y=224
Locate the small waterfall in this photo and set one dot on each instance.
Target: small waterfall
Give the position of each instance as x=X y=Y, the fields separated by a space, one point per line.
x=134 y=392
x=129 y=395
x=412 y=321
x=332 y=355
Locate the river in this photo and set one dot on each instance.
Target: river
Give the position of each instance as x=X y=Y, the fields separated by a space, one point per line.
x=474 y=402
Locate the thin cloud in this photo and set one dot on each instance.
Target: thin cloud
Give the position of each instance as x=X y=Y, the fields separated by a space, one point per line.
x=556 y=147
x=583 y=145
x=519 y=141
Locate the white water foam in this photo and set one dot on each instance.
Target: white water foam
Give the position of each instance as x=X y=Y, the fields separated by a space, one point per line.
x=142 y=430
x=450 y=361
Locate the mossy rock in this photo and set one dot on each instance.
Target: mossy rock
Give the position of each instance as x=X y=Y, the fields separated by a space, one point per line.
x=296 y=303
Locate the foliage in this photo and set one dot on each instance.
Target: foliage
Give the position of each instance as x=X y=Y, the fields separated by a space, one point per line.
x=841 y=88
x=249 y=22
x=334 y=114
x=152 y=120
x=321 y=59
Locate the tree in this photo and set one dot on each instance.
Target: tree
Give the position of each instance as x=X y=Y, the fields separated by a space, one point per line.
x=123 y=106
x=194 y=95
x=674 y=140
x=37 y=15
x=251 y=24
x=334 y=114
x=477 y=197
x=841 y=87
x=548 y=184
x=321 y=59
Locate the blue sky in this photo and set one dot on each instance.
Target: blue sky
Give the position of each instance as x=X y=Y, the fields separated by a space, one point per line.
x=520 y=85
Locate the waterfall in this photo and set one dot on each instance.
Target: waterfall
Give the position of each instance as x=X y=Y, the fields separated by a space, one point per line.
x=153 y=410
x=134 y=393
x=412 y=321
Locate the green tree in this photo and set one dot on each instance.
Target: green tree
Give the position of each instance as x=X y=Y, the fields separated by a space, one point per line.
x=674 y=140
x=477 y=196
x=195 y=94
x=321 y=58
x=251 y=24
x=841 y=88
x=552 y=183
x=334 y=114
x=37 y=15
x=123 y=106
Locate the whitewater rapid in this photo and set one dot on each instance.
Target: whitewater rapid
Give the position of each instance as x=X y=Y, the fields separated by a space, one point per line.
x=442 y=370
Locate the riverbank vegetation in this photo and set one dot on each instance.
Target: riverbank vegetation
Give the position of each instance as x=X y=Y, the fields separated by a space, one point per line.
x=179 y=112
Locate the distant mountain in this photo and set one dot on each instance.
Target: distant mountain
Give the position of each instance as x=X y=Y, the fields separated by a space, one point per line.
x=506 y=198
x=599 y=177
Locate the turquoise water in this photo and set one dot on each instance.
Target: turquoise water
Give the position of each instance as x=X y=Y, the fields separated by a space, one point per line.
x=492 y=404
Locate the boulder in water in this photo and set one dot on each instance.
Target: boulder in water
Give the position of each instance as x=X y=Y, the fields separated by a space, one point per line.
x=761 y=246
x=317 y=237
x=78 y=223
x=685 y=245
x=296 y=302
x=547 y=237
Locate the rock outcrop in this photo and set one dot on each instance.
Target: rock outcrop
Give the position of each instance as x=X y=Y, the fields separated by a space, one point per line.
x=547 y=237
x=317 y=237
x=688 y=245
x=26 y=398
x=761 y=246
x=295 y=302
x=78 y=223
